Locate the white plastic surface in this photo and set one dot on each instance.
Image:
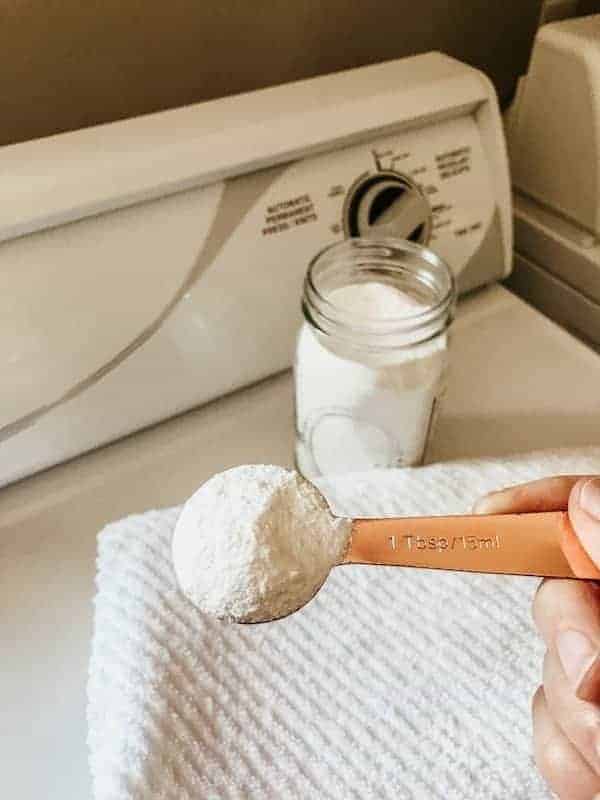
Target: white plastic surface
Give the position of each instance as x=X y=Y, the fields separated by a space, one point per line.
x=72 y=298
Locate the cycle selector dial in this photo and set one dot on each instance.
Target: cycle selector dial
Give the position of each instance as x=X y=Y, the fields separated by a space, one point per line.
x=387 y=204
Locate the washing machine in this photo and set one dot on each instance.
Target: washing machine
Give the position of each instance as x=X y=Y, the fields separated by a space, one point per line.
x=154 y=264
x=554 y=149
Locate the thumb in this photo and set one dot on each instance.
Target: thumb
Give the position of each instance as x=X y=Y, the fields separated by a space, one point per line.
x=584 y=515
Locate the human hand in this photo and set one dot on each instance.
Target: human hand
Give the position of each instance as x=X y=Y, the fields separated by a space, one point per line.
x=566 y=707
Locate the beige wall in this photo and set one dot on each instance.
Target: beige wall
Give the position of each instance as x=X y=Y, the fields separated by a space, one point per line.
x=554 y=10
x=65 y=64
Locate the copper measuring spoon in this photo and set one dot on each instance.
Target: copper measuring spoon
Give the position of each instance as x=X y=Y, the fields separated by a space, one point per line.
x=541 y=544
x=536 y=544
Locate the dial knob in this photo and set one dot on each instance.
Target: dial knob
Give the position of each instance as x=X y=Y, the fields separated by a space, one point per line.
x=387 y=204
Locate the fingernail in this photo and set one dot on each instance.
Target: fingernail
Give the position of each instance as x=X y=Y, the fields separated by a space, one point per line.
x=589 y=497
x=580 y=661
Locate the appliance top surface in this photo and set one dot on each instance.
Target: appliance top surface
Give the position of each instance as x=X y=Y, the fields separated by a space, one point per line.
x=510 y=390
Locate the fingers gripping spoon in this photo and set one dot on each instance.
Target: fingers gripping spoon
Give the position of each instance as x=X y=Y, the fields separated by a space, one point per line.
x=256 y=543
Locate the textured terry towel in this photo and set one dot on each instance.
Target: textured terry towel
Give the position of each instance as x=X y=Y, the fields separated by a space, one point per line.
x=392 y=683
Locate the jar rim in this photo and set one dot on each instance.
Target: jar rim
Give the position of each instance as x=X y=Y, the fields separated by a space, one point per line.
x=382 y=260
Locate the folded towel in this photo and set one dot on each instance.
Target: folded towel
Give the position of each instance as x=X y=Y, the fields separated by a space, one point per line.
x=391 y=683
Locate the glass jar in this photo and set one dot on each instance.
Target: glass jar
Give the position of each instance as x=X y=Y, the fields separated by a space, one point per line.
x=372 y=355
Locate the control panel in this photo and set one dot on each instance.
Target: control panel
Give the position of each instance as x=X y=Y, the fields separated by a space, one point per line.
x=430 y=185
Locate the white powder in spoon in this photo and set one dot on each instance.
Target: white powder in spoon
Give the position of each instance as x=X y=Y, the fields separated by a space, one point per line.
x=255 y=543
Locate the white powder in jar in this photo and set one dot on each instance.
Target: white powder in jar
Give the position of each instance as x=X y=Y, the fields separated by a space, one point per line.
x=255 y=543
x=370 y=408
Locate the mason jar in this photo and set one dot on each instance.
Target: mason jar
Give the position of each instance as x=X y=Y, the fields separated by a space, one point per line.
x=372 y=355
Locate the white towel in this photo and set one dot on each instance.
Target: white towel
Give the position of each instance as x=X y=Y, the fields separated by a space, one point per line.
x=392 y=683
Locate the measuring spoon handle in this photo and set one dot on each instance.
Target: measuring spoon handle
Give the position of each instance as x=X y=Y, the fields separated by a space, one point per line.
x=541 y=544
